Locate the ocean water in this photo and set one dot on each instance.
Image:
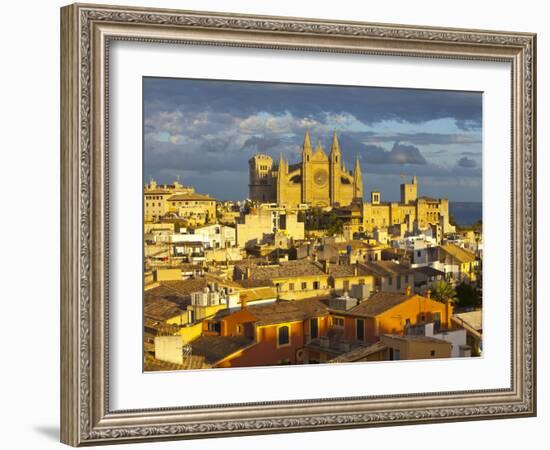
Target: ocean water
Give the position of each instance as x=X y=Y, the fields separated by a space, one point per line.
x=466 y=213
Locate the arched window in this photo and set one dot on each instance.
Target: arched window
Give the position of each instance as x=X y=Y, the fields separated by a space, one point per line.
x=283 y=335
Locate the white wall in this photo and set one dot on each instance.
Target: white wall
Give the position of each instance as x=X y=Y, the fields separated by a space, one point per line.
x=30 y=163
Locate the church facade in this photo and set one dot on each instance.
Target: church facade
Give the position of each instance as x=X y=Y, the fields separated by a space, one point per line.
x=318 y=180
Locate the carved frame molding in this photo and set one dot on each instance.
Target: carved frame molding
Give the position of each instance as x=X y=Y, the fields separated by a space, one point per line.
x=86 y=32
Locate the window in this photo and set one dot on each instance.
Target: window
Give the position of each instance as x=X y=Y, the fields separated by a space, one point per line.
x=432 y=353
x=291 y=286
x=304 y=285
x=346 y=285
x=338 y=322
x=398 y=279
x=314 y=328
x=407 y=326
x=315 y=285
x=283 y=335
x=360 y=329
x=390 y=280
x=395 y=354
x=214 y=326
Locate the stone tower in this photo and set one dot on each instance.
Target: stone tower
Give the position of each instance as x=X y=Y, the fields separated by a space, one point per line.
x=260 y=179
x=357 y=181
x=335 y=169
x=409 y=192
x=307 y=153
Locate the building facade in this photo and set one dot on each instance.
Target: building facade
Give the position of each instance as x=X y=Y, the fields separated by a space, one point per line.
x=318 y=180
x=262 y=224
x=155 y=198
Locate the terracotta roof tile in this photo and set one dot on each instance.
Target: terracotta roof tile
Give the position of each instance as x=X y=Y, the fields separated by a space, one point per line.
x=288 y=311
x=216 y=348
x=359 y=353
x=378 y=303
x=460 y=254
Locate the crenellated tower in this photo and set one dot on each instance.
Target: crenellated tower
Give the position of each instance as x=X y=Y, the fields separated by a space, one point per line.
x=260 y=180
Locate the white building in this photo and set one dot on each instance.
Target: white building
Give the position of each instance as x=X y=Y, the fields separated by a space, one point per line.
x=212 y=236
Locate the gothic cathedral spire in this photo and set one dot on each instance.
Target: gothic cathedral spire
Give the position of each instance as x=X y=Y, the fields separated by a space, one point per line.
x=335 y=147
x=306 y=147
x=306 y=169
x=335 y=170
x=357 y=181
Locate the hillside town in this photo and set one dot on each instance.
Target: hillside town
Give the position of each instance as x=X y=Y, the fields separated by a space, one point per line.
x=306 y=270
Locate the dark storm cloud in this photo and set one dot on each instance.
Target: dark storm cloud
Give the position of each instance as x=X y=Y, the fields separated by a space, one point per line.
x=215 y=145
x=261 y=144
x=466 y=162
x=245 y=98
x=374 y=154
x=183 y=160
x=422 y=138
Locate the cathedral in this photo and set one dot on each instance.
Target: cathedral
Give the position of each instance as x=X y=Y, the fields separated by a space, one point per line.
x=318 y=180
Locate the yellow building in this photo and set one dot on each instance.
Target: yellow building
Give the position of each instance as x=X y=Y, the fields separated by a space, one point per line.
x=198 y=209
x=318 y=180
x=458 y=262
x=263 y=223
x=409 y=213
x=293 y=279
x=155 y=198
x=415 y=347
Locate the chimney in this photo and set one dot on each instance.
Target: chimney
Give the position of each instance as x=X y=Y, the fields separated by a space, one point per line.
x=247 y=273
x=355 y=269
x=429 y=294
x=326 y=265
x=408 y=290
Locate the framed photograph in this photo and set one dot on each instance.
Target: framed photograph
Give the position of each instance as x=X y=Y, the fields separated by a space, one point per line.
x=278 y=224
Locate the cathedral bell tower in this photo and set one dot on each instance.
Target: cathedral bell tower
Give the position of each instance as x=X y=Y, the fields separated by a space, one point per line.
x=335 y=169
x=307 y=153
x=357 y=181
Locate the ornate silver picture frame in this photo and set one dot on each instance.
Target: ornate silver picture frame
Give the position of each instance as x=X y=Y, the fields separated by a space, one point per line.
x=87 y=32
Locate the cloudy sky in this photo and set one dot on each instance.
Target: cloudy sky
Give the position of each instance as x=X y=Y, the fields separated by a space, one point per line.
x=205 y=131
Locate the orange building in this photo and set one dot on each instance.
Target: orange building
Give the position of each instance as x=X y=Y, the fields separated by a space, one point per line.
x=382 y=314
x=271 y=334
x=391 y=313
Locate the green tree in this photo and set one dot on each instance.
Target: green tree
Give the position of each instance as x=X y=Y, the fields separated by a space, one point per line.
x=443 y=291
x=467 y=295
x=335 y=226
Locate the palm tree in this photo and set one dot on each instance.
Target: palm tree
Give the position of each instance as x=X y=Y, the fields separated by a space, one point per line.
x=443 y=291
